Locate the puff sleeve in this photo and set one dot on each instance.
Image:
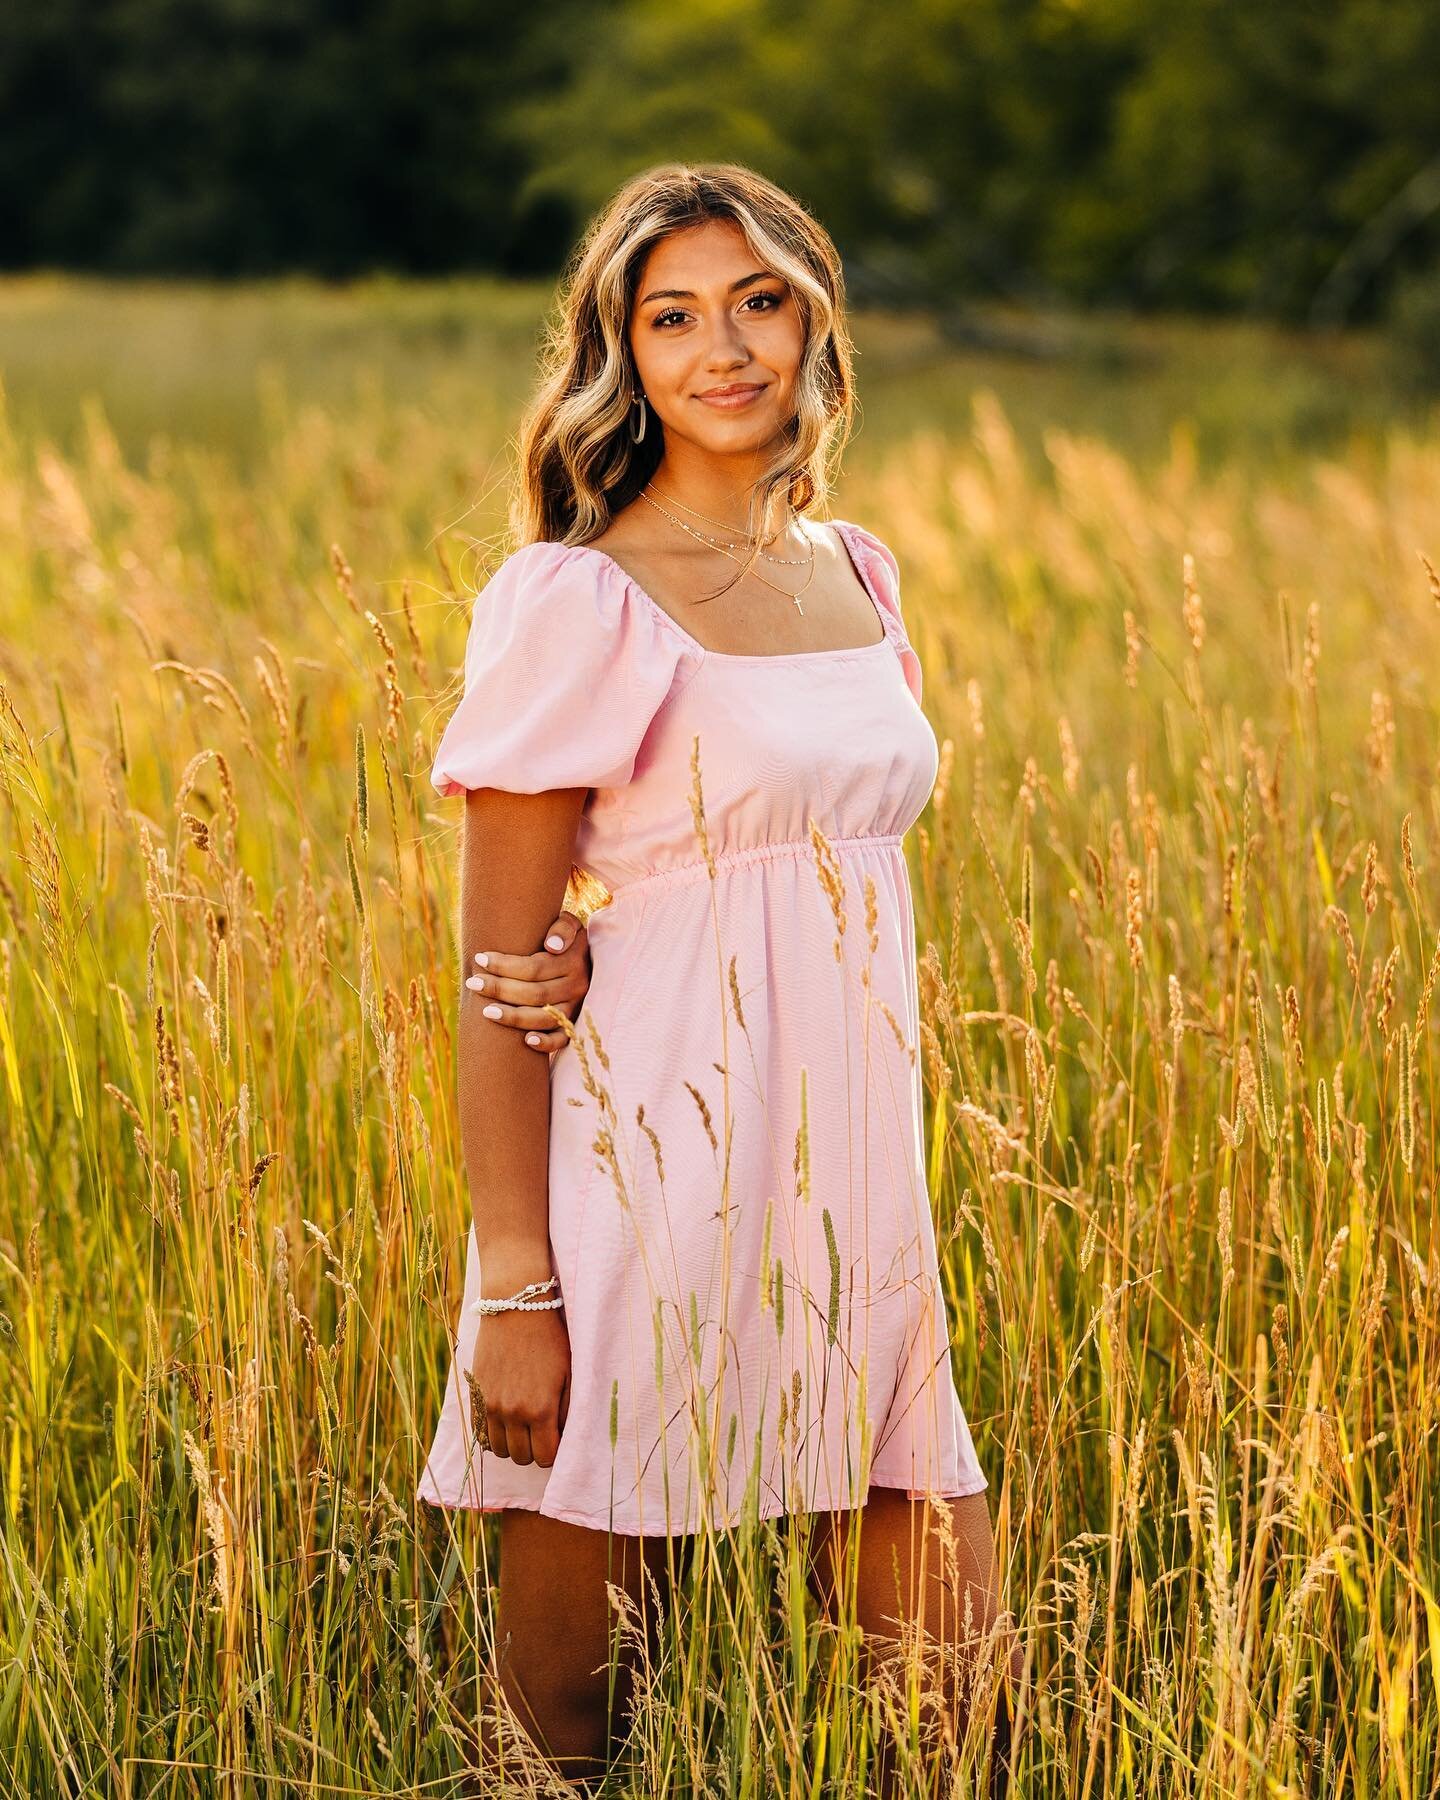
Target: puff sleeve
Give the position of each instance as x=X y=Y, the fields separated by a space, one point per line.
x=883 y=571
x=566 y=665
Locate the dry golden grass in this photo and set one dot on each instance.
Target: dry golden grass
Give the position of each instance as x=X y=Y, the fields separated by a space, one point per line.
x=1181 y=931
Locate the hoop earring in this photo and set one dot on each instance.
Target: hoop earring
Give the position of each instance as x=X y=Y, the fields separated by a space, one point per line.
x=636 y=436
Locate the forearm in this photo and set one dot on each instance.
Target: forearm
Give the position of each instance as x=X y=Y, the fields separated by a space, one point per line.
x=516 y=864
x=504 y=1095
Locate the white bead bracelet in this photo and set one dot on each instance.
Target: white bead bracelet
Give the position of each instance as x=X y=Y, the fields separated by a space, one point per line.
x=519 y=1302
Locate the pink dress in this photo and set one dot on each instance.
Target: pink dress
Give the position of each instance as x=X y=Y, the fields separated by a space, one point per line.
x=739 y=1216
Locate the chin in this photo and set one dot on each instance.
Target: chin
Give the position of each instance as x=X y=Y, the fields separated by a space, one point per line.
x=743 y=433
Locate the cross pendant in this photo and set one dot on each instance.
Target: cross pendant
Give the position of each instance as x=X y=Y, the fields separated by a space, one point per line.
x=798 y=607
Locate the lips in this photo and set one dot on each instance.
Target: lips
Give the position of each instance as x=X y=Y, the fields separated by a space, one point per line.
x=734 y=394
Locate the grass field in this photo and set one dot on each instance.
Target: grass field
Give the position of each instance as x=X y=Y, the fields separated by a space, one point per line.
x=1178 y=902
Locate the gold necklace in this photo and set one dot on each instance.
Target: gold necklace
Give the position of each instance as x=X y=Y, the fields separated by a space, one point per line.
x=793 y=562
x=726 y=550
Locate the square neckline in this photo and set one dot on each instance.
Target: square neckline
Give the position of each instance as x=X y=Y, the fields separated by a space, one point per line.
x=754 y=656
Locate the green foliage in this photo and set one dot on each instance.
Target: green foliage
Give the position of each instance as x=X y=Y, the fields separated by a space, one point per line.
x=1415 y=327
x=256 y=136
x=1149 y=152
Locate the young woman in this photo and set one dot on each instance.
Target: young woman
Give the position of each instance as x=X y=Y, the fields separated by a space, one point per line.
x=702 y=1225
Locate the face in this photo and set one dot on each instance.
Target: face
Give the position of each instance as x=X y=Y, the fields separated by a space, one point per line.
x=708 y=317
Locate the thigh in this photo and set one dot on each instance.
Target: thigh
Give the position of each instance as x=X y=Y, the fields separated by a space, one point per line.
x=903 y=1563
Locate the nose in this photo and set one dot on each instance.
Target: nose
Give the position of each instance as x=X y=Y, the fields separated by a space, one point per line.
x=726 y=348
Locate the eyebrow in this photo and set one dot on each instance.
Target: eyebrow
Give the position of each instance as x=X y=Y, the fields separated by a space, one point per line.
x=685 y=294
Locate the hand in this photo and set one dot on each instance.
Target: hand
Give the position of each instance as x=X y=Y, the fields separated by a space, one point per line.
x=520 y=987
x=521 y=1369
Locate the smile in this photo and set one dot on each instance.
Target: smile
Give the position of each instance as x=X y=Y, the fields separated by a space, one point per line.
x=731 y=399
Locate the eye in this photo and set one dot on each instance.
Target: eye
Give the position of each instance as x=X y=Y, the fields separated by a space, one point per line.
x=674 y=312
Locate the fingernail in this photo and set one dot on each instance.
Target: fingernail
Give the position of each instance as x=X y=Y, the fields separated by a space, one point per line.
x=554 y=943
x=532 y=1037
x=492 y=1012
x=482 y=959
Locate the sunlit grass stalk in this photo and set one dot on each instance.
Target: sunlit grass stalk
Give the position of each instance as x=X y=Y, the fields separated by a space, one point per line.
x=1178 y=950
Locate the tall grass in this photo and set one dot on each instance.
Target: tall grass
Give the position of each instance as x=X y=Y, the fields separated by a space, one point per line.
x=1178 y=914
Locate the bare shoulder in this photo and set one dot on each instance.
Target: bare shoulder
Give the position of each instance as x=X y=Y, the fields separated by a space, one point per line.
x=630 y=541
x=645 y=548
x=825 y=535
x=635 y=527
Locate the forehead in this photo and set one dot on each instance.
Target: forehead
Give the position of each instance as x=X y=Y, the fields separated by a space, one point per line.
x=699 y=255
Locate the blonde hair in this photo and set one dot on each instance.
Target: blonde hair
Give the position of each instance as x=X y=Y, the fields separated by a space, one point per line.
x=577 y=464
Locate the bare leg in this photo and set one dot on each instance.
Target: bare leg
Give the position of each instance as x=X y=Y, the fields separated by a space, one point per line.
x=556 y=1633
x=900 y=1577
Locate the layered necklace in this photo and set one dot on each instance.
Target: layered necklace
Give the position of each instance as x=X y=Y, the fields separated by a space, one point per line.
x=731 y=547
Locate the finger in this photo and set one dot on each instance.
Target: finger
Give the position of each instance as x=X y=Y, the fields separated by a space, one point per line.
x=538 y=965
x=522 y=1018
x=567 y=932
x=519 y=1439
x=561 y=934
x=544 y=1442
x=564 y=1407
x=495 y=1435
x=557 y=988
x=548 y=1041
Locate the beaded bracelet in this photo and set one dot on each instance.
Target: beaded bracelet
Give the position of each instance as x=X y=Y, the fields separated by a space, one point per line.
x=519 y=1302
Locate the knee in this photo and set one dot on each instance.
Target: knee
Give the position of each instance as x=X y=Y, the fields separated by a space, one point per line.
x=999 y=1647
x=954 y=1671
x=565 y=1712
x=1009 y=1648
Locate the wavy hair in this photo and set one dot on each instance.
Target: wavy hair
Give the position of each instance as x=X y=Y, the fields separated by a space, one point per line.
x=577 y=464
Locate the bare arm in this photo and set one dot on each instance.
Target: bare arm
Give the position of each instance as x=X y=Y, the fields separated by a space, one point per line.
x=515 y=865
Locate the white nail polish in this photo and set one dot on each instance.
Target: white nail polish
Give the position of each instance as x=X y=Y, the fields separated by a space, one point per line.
x=554 y=943
x=532 y=1037
x=474 y=981
x=492 y=1012
x=482 y=959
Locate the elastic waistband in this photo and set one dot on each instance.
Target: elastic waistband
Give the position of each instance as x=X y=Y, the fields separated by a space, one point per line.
x=725 y=860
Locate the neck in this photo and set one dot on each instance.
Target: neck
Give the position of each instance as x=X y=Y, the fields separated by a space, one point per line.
x=718 y=486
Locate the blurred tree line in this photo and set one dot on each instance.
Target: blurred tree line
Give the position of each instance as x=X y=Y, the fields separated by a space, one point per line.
x=1282 y=159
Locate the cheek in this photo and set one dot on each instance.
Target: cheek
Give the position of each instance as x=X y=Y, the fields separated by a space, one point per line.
x=786 y=346
x=656 y=358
